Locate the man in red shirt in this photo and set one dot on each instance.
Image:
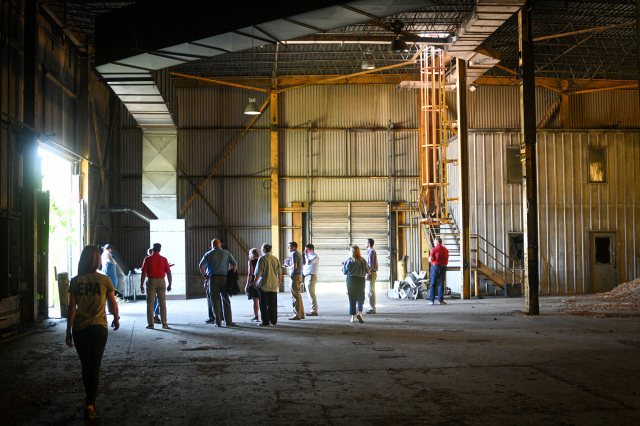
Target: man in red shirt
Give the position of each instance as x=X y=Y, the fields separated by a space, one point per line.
x=439 y=258
x=155 y=267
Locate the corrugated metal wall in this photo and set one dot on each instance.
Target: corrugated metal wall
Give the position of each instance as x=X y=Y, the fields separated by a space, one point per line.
x=569 y=206
x=245 y=202
x=498 y=107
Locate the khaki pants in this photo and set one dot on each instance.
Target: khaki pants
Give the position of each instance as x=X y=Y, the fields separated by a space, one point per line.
x=296 y=298
x=156 y=286
x=310 y=282
x=371 y=289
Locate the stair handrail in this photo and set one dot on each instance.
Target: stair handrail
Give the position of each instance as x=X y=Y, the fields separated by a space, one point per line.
x=479 y=249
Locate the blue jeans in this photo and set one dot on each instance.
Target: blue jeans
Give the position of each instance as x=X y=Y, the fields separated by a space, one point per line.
x=436 y=276
x=355 y=288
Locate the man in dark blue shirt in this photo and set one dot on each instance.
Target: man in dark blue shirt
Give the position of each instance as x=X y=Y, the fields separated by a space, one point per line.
x=214 y=266
x=294 y=263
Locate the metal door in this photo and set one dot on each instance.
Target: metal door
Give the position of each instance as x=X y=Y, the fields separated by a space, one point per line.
x=335 y=226
x=603 y=261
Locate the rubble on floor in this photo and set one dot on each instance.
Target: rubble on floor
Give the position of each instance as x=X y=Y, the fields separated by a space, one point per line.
x=627 y=292
x=623 y=298
x=414 y=286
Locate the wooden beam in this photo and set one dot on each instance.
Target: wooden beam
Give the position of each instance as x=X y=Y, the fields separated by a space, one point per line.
x=588 y=30
x=296 y=221
x=327 y=80
x=275 y=214
x=226 y=153
x=224 y=83
x=295 y=208
x=102 y=177
x=531 y=279
x=463 y=176
x=235 y=237
x=544 y=119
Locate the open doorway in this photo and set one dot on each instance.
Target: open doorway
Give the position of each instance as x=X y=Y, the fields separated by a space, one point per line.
x=57 y=178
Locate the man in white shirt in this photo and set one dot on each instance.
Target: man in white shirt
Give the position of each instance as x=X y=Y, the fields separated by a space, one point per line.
x=310 y=273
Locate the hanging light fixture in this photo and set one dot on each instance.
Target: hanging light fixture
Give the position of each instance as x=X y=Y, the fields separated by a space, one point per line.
x=252 y=108
x=398 y=45
x=367 y=62
x=368 y=65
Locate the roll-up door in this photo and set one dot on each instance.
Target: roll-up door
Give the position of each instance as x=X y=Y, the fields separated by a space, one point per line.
x=335 y=226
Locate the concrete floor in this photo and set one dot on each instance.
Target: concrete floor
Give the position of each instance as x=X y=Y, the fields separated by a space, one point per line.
x=469 y=362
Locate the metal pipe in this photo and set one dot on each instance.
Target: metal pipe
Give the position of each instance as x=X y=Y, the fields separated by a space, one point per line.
x=124 y=210
x=308 y=216
x=390 y=186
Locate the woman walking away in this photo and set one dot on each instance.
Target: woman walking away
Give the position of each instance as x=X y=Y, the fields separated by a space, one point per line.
x=251 y=288
x=355 y=268
x=87 y=321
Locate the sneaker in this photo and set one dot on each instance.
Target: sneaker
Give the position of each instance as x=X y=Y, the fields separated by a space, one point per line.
x=165 y=326
x=442 y=303
x=231 y=324
x=91 y=414
x=352 y=319
x=371 y=311
x=156 y=320
x=294 y=319
x=150 y=327
x=312 y=314
x=359 y=317
x=264 y=325
x=210 y=321
x=255 y=319
x=429 y=303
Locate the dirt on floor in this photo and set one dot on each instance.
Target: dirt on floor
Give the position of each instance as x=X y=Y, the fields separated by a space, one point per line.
x=617 y=303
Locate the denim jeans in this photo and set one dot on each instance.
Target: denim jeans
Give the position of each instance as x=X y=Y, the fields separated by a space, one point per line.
x=436 y=277
x=355 y=289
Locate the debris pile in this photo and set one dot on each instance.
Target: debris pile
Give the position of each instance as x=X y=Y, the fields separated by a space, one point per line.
x=623 y=298
x=414 y=286
x=627 y=292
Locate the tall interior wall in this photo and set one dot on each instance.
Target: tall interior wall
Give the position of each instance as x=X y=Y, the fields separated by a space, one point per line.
x=349 y=150
x=569 y=206
x=63 y=121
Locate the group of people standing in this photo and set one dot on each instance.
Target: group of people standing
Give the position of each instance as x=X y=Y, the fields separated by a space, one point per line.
x=264 y=278
x=90 y=290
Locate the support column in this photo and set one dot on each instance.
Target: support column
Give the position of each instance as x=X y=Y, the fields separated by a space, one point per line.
x=531 y=277
x=463 y=169
x=638 y=41
x=30 y=166
x=275 y=215
x=565 y=113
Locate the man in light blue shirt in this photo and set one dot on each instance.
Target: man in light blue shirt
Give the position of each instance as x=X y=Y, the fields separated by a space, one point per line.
x=214 y=266
x=310 y=274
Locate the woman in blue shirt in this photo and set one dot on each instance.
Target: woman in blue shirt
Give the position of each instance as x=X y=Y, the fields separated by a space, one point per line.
x=355 y=268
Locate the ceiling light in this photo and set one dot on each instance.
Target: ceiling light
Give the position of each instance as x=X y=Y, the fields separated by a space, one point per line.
x=368 y=65
x=252 y=108
x=398 y=46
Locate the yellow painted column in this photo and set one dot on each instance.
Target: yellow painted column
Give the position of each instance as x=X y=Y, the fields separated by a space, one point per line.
x=275 y=215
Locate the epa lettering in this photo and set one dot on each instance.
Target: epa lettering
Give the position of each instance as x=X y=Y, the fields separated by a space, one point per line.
x=88 y=289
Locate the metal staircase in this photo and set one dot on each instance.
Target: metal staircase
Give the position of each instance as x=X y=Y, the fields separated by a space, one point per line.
x=432 y=206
